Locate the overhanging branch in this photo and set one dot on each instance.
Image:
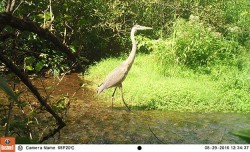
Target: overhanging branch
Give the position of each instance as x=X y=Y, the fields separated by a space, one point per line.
x=25 y=25
x=32 y=88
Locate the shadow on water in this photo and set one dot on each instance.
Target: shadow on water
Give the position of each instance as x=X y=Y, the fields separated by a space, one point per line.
x=92 y=121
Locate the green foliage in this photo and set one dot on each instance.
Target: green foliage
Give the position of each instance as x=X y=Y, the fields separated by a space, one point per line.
x=194 y=69
x=61 y=104
x=5 y=87
x=2 y=5
x=100 y=29
x=195 y=46
x=23 y=140
x=244 y=134
x=199 y=63
x=237 y=16
x=39 y=65
x=196 y=58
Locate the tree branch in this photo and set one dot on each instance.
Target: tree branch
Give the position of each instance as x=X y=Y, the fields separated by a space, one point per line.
x=32 y=88
x=25 y=25
x=10 y=6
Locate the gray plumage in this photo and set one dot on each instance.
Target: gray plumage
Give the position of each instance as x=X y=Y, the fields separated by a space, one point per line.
x=118 y=75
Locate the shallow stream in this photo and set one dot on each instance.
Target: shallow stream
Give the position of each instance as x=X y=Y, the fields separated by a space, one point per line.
x=91 y=121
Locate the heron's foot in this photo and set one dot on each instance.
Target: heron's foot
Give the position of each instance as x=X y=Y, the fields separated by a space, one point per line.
x=128 y=109
x=112 y=103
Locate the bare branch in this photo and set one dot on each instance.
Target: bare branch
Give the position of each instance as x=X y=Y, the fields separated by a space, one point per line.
x=10 y=6
x=17 y=7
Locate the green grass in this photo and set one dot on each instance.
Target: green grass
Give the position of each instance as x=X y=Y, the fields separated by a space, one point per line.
x=146 y=88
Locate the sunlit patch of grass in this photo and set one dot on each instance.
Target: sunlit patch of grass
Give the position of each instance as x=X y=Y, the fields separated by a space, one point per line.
x=145 y=88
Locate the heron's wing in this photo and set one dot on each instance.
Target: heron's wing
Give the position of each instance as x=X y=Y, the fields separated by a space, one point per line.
x=116 y=76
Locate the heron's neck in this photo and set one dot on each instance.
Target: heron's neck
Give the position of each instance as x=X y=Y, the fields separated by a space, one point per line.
x=131 y=57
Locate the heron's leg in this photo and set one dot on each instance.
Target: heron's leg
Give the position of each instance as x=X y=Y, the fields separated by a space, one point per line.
x=123 y=99
x=113 y=96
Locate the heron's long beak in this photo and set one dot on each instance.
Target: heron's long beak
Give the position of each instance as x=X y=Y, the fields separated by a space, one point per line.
x=146 y=28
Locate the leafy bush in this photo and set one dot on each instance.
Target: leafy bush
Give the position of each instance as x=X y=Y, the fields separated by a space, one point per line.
x=195 y=46
x=236 y=13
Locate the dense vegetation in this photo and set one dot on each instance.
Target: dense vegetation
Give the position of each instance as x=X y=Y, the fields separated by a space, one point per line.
x=195 y=65
x=99 y=29
x=196 y=58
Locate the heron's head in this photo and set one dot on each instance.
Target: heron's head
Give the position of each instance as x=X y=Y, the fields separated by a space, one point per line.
x=139 y=27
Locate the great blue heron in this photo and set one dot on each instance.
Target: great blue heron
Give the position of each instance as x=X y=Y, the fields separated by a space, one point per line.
x=118 y=75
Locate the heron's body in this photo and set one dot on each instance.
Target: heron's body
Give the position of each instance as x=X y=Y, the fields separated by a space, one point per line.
x=115 y=77
x=118 y=75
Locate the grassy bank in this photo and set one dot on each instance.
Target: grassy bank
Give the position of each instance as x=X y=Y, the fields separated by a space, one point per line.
x=145 y=88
